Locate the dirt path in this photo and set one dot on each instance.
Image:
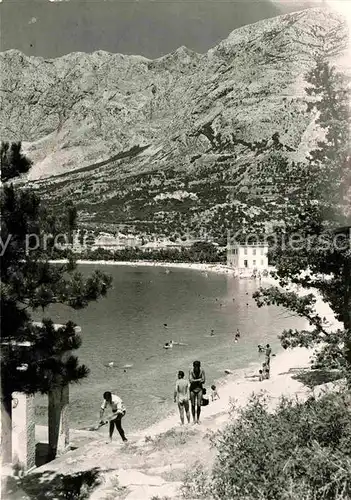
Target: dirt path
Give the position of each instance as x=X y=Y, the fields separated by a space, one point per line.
x=152 y=464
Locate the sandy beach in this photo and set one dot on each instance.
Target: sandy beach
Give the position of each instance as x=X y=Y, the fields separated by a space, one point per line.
x=217 y=267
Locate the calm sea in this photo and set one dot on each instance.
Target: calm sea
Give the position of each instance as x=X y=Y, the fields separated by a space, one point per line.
x=127 y=328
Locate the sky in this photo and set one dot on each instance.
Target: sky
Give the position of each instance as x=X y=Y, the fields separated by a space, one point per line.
x=51 y=28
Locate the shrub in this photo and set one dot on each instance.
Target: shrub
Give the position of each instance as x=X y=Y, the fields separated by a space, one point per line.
x=50 y=485
x=300 y=451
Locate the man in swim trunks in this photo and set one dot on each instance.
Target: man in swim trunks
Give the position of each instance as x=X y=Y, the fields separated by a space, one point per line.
x=181 y=396
x=117 y=407
x=196 y=379
x=268 y=354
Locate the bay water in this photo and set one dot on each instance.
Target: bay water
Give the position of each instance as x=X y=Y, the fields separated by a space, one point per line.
x=147 y=307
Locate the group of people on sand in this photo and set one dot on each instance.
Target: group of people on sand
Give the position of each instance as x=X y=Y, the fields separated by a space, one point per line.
x=187 y=393
x=191 y=392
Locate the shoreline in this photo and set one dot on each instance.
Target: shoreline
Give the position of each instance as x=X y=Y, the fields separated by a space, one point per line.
x=153 y=464
x=237 y=386
x=229 y=382
x=216 y=267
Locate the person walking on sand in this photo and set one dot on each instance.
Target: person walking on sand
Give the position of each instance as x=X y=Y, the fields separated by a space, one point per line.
x=182 y=396
x=118 y=411
x=268 y=354
x=196 y=379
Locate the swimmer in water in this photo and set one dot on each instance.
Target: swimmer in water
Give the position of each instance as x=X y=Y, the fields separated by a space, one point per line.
x=212 y=333
x=168 y=345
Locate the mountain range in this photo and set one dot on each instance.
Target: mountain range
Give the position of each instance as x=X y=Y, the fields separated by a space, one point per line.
x=169 y=145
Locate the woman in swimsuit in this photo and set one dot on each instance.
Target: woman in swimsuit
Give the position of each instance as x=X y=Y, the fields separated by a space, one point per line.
x=196 y=379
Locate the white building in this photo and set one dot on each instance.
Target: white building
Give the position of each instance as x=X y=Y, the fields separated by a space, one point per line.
x=246 y=256
x=116 y=242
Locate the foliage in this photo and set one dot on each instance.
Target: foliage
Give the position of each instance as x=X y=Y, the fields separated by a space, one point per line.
x=50 y=485
x=301 y=450
x=198 y=252
x=172 y=438
x=29 y=282
x=13 y=162
x=160 y=498
x=308 y=252
x=313 y=378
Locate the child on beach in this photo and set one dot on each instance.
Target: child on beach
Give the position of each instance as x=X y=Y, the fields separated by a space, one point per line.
x=204 y=401
x=182 y=396
x=265 y=370
x=214 y=393
x=260 y=375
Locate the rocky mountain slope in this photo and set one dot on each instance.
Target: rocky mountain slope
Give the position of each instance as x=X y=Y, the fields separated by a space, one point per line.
x=171 y=142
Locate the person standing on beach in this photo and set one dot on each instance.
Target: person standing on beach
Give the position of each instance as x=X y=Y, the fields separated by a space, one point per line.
x=196 y=379
x=182 y=396
x=118 y=410
x=268 y=354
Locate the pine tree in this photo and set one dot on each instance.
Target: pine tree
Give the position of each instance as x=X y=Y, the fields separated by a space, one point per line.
x=319 y=257
x=34 y=358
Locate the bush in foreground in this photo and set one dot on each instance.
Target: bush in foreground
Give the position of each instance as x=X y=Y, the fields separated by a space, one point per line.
x=300 y=451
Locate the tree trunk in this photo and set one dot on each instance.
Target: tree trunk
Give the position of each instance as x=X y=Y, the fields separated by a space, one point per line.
x=6 y=428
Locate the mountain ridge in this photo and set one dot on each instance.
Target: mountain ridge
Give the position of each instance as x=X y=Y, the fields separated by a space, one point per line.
x=102 y=122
